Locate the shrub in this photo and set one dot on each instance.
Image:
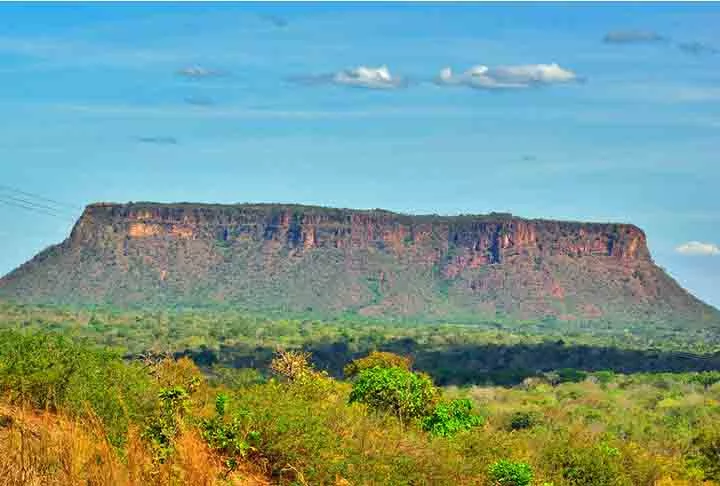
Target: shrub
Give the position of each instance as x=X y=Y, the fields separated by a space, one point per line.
x=571 y=375
x=449 y=418
x=593 y=465
x=707 y=457
x=182 y=372
x=327 y=442
x=303 y=379
x=510 y=473
x=522 y=420
x=293 y=365
x=604 y=377
x=165 y=425
x=401 y=392
x=237 y=377
x=228 y=436
x=53 y=372
x=381 y=359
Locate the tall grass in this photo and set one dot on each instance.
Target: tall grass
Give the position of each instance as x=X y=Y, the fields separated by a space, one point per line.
x=48 y=449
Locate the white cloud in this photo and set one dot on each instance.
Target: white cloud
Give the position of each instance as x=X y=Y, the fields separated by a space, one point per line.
x=698 y=248
x=368 y=77
x=507 y=77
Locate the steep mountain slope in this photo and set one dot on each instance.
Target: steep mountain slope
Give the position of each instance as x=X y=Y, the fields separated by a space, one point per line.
x=375 y=263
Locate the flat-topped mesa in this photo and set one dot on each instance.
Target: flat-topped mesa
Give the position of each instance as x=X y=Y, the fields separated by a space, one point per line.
x=468 y=240
x=374 y=263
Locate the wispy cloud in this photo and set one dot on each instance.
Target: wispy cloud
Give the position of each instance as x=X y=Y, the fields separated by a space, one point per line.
x=648 y=36
x=632 y=37
x=199 y=72
x=61 y=52
x=697 y=48
x=697 y=248
x=275 y=20
x=697 y=94
x=199 y=101
x=161 y=140
x=359 y=77
x=507 y=77
x=237 y=112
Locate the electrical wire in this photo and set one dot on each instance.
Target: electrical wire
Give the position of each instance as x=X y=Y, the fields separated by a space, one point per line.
x=33 y=209
x=38 y=197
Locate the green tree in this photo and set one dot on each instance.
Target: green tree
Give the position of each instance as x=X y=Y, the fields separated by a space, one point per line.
x=706 y=378
x=401 y=392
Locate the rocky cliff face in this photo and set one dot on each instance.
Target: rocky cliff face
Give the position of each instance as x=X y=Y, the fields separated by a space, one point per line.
x=481 y=240
x=375 y=263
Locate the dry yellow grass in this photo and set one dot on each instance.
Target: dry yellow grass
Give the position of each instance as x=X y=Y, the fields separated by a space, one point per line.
x=45 y=449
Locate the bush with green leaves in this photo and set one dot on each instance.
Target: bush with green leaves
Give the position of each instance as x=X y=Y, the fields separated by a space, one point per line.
x=51 y=371
x=162 y=429
x=228 y=435
x=707 y=452
x=510 y=473
x=604 y=377
x=405 y=394
x=449 y=418
x=598 y=464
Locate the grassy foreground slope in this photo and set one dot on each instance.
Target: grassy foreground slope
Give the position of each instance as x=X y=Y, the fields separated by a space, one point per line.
x=75 y=414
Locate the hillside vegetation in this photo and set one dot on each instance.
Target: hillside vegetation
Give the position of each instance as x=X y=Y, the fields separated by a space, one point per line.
x=75 y=414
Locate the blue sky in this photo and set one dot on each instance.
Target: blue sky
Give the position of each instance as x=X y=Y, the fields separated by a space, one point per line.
x=584 y=111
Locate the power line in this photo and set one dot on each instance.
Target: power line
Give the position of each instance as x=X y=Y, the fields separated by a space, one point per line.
x=37 y=196
x=32 y=203
x=29 y=201
x=34 y=209
x=29 y=208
